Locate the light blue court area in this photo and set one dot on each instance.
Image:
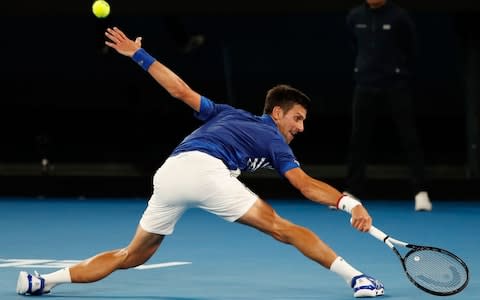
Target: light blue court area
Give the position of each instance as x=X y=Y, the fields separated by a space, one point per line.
x=209 y=259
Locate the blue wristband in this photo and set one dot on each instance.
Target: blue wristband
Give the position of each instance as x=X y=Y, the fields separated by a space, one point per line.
x=143 y=59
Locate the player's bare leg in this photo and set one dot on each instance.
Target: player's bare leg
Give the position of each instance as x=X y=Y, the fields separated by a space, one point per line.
x=140 y=249
x=264 y=218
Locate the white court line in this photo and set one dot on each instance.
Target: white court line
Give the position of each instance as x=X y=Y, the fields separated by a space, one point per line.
x=163 y=265
x=52 y=263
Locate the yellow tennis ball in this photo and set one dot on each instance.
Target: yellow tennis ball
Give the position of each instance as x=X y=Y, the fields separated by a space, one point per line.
x=101 y=8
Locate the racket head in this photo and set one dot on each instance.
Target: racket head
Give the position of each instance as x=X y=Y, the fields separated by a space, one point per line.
x=435 y=271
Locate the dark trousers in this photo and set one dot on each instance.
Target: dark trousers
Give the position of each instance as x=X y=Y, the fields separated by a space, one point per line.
x=367 y=103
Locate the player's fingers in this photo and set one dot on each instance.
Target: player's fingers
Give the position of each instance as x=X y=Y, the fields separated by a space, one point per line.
x=366 y=226
x=362 y=224
x=117 y=34
x=111 y=37
x=123 y=35
x=118 y=31
x=110 y=32
x=110 y=44
x=357 y=225
x=362 y=227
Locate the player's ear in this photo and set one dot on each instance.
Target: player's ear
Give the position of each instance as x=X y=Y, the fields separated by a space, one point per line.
x=277 y=112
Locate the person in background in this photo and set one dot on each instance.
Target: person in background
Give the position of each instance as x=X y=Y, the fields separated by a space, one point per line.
x=384 y=41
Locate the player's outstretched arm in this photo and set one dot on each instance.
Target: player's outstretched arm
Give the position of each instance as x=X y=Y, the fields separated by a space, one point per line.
x=321 y=192
x=174 y=85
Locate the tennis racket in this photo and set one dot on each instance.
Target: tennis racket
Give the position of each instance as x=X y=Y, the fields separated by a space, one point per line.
x=433 y=270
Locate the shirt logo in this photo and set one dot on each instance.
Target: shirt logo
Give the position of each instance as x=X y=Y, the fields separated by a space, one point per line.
x=387 y=26
x=257 y=163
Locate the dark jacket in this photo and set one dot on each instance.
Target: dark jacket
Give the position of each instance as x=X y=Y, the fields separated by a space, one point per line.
x=384 y=41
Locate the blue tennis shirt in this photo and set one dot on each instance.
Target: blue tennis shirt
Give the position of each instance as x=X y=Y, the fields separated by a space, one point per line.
x=240 y=139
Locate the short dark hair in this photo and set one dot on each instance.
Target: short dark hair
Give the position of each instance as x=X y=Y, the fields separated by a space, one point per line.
x=286 y=97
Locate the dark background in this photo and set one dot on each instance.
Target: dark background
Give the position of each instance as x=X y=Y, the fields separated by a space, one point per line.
x=105 y=126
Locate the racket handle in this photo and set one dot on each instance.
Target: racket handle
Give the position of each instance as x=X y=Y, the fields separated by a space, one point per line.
x=377 y=233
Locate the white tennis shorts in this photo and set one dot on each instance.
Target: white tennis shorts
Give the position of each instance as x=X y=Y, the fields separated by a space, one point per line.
x=194 y=179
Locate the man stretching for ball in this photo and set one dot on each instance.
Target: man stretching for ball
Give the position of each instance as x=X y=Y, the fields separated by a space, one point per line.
x=202 y=171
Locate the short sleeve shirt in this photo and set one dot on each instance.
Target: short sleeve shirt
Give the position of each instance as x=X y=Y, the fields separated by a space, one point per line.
x=243 y=141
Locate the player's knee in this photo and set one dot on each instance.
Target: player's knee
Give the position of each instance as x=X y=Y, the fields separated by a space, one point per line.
x=281 y=230
x=122 y=256
x=130 y=259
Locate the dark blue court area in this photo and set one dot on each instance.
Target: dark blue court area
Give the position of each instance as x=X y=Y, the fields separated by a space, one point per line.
x=209 y=259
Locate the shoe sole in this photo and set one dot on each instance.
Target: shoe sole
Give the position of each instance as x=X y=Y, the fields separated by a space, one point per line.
x=423 y=208
x=368 y=293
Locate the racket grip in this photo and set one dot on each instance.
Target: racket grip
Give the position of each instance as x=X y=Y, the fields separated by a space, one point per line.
x=377 y=233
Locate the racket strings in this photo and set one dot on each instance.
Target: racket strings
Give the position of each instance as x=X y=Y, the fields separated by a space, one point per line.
x=436 y=271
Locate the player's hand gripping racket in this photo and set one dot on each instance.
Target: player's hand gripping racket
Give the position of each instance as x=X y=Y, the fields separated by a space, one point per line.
x=434 y=270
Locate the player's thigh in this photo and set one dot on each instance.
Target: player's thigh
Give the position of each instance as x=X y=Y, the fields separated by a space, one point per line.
x=142 y=247
x=263 y=217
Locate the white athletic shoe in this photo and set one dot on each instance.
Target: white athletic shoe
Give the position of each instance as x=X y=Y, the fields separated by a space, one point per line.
x=366 y=286
x=31 y=284
x=422 y=202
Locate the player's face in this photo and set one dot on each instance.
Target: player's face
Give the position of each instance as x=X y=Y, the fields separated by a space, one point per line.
x=290 y=122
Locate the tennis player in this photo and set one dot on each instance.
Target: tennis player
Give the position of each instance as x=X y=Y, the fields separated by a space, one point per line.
x=202 y=171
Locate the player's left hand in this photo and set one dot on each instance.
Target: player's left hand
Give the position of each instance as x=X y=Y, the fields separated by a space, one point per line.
x=120 y=42
x=361 y=220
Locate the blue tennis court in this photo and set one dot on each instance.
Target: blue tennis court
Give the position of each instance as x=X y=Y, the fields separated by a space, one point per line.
x=207 y=258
